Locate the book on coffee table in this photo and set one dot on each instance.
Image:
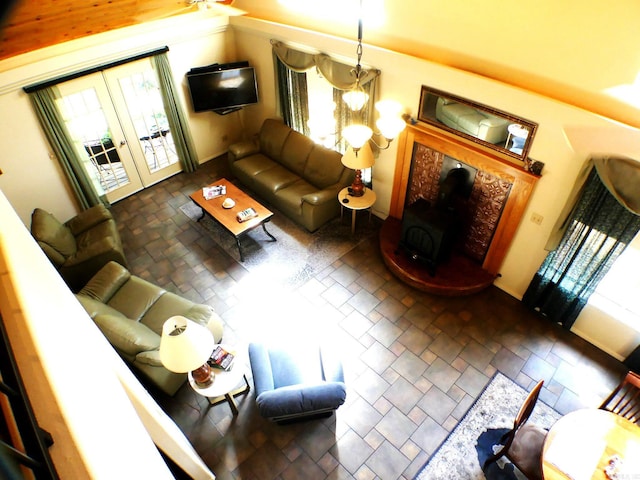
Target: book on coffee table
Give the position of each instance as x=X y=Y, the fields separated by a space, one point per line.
x=221 y=358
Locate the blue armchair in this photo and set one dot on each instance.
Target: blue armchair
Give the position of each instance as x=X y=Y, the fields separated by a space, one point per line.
x=298 y=381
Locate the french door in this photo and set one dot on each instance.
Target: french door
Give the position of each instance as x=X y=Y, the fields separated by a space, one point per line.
x=117 y=122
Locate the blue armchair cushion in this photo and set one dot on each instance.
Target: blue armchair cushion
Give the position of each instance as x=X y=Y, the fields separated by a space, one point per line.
x=296 y=381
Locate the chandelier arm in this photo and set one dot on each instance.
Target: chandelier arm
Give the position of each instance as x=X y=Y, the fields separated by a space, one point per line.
x=380 y=147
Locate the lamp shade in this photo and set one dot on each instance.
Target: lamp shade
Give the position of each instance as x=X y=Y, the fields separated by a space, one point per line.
x=359 y=160
x=185 y=345
x=357 y=135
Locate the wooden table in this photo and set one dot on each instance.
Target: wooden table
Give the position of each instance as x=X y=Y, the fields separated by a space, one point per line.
x=580 y=444
x=227 y=216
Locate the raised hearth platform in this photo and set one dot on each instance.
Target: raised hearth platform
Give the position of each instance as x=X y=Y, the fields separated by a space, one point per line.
x=458 y=276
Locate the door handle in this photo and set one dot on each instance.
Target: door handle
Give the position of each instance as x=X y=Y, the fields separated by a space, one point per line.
x=123 y=143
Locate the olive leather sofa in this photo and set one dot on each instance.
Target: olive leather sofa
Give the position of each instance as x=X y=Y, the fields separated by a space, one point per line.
x=471 y=121
x=292 y=173
x=131 y=311
x=81 y=246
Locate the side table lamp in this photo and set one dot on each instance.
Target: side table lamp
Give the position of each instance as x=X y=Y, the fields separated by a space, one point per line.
x=185 y=346
x=358 y=160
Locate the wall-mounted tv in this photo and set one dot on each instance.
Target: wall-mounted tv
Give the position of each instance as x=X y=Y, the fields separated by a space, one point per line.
x=222 y=88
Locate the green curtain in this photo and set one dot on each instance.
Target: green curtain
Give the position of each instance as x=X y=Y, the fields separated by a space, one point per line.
x=597 y=232
x=54 y=128
x=176 y=117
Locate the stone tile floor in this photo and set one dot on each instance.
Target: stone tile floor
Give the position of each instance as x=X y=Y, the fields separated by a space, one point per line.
x=414 y=362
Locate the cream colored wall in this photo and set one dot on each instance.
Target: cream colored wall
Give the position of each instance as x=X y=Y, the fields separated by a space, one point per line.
x=565 y=138
x=573 y=52
x=67 y=368
x=31 y=177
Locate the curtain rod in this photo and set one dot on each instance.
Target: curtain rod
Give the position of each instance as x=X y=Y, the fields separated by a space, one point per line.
x=98 y=68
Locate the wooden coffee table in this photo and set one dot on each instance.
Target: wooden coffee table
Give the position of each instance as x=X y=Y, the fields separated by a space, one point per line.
x=227 y=216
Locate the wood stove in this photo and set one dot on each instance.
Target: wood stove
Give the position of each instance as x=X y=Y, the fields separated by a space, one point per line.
x=429 y=230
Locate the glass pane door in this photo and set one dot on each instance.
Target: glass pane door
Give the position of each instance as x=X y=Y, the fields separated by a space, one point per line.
x=86 y=107
x=136 y=96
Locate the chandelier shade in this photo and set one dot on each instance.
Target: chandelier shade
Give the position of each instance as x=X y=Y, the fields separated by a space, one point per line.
x=389 y=123
x=357 y=135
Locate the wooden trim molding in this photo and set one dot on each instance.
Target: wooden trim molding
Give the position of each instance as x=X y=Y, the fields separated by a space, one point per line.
x=521 y=180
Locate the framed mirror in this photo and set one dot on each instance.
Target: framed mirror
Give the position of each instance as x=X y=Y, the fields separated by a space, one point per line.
x=487 y=126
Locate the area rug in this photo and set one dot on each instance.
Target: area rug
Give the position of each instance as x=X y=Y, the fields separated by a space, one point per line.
x=297 y=255
x=478 y=434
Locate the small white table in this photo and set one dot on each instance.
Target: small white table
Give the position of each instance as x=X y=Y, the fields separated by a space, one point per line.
x=515 y=130
x=225 y=383
x=365 y=202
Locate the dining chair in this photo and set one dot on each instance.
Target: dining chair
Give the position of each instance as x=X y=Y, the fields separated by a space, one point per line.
x=523 y=444
x=624 y=400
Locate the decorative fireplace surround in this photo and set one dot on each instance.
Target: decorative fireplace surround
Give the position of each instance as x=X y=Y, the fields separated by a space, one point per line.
x=499 y=196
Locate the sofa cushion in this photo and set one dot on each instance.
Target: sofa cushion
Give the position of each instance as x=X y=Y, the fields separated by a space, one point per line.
x=46 y=229
x=166 y=305
x=127 y=335
x=324 y=167
x=470 y=122
x=276 y=178
x=290 y=198
x=136 y=297
x=295 y=151
x=272 y=137
x=254 y=164
x=96 y=234
x=95 y=307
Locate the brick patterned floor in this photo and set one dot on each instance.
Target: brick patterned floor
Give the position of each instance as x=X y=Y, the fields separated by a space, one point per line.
x=414 y=362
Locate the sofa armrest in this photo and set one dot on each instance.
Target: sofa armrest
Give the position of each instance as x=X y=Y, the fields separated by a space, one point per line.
x=261 y=368
x=127 y=335
x=150 y=357
x=88 y=218
x=329 y=194
x=104 y=284
x=243 y=149
x=307 y=397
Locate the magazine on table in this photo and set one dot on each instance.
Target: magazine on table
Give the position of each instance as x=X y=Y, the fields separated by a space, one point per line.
x=214 y=191
x=221 y=358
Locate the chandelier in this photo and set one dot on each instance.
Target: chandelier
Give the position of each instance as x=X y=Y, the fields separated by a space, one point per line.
x=358 y=134
x=389 y=123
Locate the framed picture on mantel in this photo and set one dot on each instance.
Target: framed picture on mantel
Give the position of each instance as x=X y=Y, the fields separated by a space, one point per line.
x=486 y=126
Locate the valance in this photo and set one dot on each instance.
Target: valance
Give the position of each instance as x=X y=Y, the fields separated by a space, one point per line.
x=338 y=74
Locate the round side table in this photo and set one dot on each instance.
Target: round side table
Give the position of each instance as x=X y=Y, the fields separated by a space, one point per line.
x=225 y=383
x=365 y=202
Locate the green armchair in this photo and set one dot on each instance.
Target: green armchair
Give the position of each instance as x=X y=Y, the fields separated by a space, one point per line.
x=81 y=246
x=130 y=312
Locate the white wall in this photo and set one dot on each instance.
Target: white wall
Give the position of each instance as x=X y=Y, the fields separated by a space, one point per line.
x=566 y=137
x=31 y=177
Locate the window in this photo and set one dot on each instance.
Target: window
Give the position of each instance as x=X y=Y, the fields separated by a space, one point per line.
x=619 y=291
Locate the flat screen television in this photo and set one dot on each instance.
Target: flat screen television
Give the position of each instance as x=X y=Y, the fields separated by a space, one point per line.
x=222 y=89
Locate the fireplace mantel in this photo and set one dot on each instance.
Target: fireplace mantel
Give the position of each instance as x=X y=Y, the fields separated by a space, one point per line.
x=522 y=183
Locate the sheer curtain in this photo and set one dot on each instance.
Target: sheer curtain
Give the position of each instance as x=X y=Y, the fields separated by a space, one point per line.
x=87 y=193
x=293 y=97
x=597 y=229
x=339 y=75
